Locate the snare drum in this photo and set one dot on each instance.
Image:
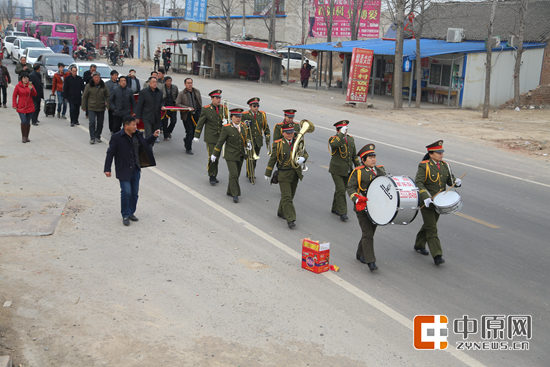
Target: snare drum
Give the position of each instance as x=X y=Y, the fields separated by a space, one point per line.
x=448 y=202
x=392 y=200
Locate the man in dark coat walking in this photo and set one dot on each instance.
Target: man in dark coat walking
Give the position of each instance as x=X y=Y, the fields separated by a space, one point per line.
x=122 y=102
x=37 y=82
x=149 y=105
x=131 y=152
x=72 y=93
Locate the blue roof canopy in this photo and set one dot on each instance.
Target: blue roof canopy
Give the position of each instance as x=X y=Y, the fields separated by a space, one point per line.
x=428 y=47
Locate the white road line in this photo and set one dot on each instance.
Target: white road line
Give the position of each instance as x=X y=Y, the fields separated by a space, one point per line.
x=417 y=152
x=396 y=316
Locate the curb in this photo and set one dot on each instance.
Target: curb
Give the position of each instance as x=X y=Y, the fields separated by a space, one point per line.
x=5 y=361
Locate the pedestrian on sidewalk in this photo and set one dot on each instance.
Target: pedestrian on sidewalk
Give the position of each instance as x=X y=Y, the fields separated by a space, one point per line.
x=5 y=79
x=156 y=59
x=72 y=93
x=96 y=97
x=149 y=105
x=36 y=81
x=305 y=72
x=57 y=89
x=131 y=152
x=23 y=67
x=23 y=102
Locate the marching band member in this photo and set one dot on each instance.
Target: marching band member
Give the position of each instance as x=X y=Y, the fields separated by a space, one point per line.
x=234 y=137
x=288 y=176
x=358 y=184
x=289 y=119
x=344 y=157
x=432 y=177
x=259 y=127
x=211 y=119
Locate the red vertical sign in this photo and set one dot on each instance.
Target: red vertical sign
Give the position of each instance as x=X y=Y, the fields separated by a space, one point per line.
x=359 y=75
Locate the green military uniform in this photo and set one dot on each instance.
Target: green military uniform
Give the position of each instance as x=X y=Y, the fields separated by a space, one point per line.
x=358 y=184
x=259 y=128
x=234 y=154
x=431 y=179
x=288 y=176
x=211 y=120
x=344 y=157
x=277 y=133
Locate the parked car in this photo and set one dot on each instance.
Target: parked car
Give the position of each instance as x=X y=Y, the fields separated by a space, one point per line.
x=32 y=53
x=102 y=68
x=8 y=45
x=21 y=43
x=16 y=34
x=295 y=60
x=48 y=66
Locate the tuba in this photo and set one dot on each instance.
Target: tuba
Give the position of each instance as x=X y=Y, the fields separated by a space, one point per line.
x=306 y=126
x=251 y=155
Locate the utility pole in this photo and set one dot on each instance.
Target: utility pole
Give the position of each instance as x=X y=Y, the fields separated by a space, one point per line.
x=244 y=20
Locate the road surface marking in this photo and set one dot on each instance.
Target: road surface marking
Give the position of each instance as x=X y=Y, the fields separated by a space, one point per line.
x=323 y=166
x=477 y=220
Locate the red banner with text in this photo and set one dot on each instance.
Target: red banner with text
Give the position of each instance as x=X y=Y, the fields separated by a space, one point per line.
x=359 y=75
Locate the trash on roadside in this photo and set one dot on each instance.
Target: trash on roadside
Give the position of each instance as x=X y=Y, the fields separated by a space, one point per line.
x=517 y=109
x=315 y=256
x=7 y=304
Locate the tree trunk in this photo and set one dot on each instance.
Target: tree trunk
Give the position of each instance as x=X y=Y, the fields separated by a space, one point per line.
x=147 y=49
x=398 y=65
x=517 y=68
x=488 y=61
x=418 y=64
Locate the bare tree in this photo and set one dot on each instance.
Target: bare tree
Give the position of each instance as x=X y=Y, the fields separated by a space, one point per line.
x=222 y=10
x=400 y=6
x=355 y=15
x=6 y=9
x=522 y=5
x=418 y=27
x=488 y=65
x=146 y=11
x=118 y=15
x=50 y=4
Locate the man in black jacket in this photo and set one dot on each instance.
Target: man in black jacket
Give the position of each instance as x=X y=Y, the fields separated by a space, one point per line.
x=133 y=82
x=72 y=93
x=88 y=74
x=149 y=105
x=37 y=82
x=122 y=103
x=131 y=152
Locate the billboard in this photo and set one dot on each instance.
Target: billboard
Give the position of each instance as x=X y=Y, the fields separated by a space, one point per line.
x=195 y=10
x=358 y=84
x=369 y=18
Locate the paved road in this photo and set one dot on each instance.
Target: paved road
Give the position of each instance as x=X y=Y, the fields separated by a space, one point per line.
x=200 y=275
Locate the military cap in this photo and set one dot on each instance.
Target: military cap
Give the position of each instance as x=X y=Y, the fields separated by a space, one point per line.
x=253 y=100
x=341 y=123
x=238 y=112
x=287 y=128
x=216 y=93
x=436 y=147
x=367 y=150
x=289 y=113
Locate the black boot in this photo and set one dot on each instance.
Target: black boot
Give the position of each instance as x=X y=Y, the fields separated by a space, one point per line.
x=23 y=129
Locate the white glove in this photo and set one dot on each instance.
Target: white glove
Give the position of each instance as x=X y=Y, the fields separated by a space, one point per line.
x=344 y=129
x=427 y=202
x=301 y=160
x=458 y=182
x=267 y=178
x=195 y=140
x=213 y=158
x=249 y=146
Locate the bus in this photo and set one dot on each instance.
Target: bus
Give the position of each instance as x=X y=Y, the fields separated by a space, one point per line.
x=21 y=24
x=30 y=28
x=45 y=30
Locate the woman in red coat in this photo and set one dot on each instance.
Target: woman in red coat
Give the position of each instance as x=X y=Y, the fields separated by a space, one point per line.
x=23 y=103
x=304 y=75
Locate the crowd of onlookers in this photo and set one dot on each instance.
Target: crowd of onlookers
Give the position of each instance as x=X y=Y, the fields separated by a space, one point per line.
x=120 y=96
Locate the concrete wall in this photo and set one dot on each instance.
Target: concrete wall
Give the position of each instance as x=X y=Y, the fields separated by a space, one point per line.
x=156 y=37
x=545 y=74
x=502 y=76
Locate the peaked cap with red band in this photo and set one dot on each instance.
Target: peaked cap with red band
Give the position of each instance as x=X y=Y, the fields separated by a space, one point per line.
x=367 y=150
x=253 y=100
x=215 y=93
x=238 y=112
x=289 y=113
x=288 y=128
x=436 y=147
x=341 y=123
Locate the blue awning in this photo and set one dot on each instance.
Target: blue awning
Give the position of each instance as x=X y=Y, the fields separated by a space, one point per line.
x=428 y=47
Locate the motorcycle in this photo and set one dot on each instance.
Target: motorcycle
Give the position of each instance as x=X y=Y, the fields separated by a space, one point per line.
x=119 y=59
x=83 y=54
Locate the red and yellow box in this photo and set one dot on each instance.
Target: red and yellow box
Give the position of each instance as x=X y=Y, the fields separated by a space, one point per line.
x=315 y=256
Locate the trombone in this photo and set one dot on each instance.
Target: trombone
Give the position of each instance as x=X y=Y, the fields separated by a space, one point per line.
x=300 y=144
x=225 y=119
x=251 y=155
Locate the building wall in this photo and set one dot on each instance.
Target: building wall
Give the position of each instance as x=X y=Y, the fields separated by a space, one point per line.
x=545 y=74
x=156 y=37
x=502 y=76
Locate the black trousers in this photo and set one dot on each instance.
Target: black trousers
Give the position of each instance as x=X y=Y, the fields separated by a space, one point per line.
x=117 y=124
x=167 y=128
x=189 y=131
x=75 y=112
x=4 y=93
x=36 y=110
x=111 y=120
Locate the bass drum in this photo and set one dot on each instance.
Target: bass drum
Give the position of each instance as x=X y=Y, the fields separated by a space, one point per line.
x=392 y=200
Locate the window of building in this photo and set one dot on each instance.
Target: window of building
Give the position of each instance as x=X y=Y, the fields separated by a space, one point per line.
x=260 y=5
x=440 y=74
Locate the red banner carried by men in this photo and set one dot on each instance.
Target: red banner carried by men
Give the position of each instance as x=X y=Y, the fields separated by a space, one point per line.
x=359 y=75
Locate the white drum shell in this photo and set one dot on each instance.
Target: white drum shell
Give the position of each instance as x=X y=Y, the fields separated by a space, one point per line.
x=392 y=200
x=448 y=202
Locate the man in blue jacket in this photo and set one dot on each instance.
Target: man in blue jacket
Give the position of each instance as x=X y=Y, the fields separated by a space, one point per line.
x=131 y=152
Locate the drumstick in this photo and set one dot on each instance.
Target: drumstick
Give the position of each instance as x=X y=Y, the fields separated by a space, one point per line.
x=445 y=191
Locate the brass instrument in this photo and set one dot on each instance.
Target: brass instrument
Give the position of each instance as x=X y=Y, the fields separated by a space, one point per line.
x=306 y=126
x=268 y=146
x=251 y=155
x=225 y=119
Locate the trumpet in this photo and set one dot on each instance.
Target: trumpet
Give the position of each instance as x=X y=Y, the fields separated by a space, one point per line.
x=251 y=155
x=268 y=146
x=300 y=144
x=225 y=106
